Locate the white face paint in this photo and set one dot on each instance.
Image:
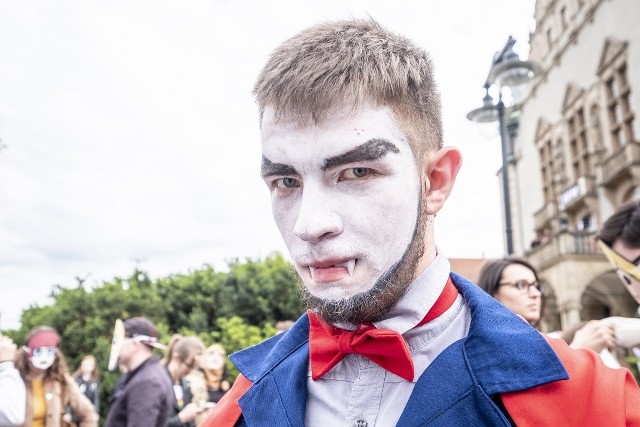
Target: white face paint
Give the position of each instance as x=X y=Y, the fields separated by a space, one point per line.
x=43 y=357
x=344 y=195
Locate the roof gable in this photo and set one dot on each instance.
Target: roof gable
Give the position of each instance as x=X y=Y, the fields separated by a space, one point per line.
x=610 y=52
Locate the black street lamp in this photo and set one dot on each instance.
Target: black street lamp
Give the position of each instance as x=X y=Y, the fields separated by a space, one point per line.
x=507 y=70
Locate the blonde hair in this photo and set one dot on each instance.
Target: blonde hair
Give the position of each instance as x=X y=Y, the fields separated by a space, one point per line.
x=185 y=347
x=352 y=62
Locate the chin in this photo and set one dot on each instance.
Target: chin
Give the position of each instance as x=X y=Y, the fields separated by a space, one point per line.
x=335 y=291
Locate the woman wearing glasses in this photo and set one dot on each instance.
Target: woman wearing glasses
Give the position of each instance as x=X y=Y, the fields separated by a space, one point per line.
x=182 y=356
x=50 y=387
x=514 y=282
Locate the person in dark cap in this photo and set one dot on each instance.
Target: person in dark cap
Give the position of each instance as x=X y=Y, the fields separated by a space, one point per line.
x=145 y=396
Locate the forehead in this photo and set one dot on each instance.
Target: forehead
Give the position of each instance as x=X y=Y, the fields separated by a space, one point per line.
x=514 y=272
x=338 y=131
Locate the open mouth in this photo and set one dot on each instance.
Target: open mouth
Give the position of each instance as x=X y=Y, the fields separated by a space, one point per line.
x=327 y=271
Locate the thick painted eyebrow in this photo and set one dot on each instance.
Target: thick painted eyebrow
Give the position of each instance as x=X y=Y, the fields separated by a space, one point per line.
x=269 y=168
x=373 y=149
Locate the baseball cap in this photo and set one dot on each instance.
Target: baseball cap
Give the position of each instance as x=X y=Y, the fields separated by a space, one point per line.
x=143 y=330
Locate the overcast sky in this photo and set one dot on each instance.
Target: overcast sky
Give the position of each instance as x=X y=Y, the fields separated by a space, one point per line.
x=130 y=134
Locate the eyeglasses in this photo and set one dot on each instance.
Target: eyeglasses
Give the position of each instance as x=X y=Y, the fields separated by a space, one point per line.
x=43 y=351
x=524 y=286
x=626 y=270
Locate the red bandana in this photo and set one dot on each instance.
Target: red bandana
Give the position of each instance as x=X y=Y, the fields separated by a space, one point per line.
x=328 y=344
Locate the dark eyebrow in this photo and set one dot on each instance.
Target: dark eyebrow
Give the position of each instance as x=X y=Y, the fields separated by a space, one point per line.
x=269 y=168
x=373 y=149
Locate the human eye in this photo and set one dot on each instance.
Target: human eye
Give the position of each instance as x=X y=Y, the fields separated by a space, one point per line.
x=355 y=173
x=286 y=182
x=522 y=285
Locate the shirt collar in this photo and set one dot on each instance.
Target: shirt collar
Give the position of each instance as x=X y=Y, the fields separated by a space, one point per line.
x=419 y=298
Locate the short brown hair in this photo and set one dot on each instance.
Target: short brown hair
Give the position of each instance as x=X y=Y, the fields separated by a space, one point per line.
x=352 y=62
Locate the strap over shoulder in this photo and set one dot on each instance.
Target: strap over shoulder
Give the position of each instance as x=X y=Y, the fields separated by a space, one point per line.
x=227 y=411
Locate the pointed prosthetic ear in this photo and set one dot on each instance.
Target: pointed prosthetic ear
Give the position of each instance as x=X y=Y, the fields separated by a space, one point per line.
x=439 y=173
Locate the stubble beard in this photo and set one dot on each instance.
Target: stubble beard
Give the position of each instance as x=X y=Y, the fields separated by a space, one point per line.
x=373 y=304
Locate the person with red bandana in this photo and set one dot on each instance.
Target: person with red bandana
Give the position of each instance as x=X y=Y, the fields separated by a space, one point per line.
x=50 y=387
x=354 y=159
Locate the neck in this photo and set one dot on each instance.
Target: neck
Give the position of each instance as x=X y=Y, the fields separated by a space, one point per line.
x=173 y=370
x=35 y=374
x=429 y=249
x=137 y=360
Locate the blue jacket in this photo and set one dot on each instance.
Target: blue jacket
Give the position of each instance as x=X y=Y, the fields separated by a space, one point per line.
x=500 y=354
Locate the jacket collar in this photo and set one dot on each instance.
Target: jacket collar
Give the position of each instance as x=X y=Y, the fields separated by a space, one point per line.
x=279 y=392
x=502 y=353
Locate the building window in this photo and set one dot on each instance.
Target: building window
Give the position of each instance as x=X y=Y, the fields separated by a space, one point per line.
x=595 y=130
x=546 y=161
x=584 y=224
x=550 y=39
x=617 y=92
x=578 y=144
x=544 y=171
x=551 y=168
x=557 y=163
x=563 y=18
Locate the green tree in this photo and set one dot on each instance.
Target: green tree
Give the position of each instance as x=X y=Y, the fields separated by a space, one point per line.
x=236 y=309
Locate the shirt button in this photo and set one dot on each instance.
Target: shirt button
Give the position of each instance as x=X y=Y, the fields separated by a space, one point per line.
x=361 y=423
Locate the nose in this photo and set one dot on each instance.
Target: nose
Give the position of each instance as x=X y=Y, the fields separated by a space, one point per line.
x=533 y=291
x=316 y=219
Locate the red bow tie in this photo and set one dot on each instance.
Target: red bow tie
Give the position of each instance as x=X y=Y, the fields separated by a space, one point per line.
x=328 y=344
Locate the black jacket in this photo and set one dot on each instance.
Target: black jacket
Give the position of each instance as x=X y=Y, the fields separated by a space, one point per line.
x=91 y=389
x=145 y=398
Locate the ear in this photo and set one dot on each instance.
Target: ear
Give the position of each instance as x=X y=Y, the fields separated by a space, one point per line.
x=439 y=173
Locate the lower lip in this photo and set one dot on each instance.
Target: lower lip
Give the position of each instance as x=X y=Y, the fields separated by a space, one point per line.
x=330 y=274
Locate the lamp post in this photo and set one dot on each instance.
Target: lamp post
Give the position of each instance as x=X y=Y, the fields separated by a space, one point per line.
x=507 y=70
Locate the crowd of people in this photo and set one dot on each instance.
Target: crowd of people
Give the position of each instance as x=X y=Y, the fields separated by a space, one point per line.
x=37 y=389
x=353 y=156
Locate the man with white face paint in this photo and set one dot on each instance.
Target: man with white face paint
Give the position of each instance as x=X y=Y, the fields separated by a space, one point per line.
x=354 y=160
